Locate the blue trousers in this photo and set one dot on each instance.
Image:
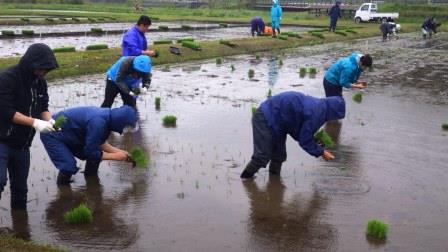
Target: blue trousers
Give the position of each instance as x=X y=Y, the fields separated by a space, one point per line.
x=333 y=22
x=332 y=90
x=16 y=163
x=266 y=147
x=60 y=154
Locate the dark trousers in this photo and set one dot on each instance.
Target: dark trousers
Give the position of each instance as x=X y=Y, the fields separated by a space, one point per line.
x=112 y=91
x=333 y=22
x=15 y=163
x=332 y=90
x=266 y=147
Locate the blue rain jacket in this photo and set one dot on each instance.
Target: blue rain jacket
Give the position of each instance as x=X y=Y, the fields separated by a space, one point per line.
x=257 y=25
x=344 y=72
x=300 y=116
x=85 y=130
x=335 y=12
x=134 y=42
x=123 y=75
x=276 y=14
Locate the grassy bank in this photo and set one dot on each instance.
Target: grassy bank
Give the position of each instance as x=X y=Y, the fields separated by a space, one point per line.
x=11 y=244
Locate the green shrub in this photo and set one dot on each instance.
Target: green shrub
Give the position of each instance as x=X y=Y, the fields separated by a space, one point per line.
x=25 y=20
x=377 y=229
x=323 y=138
x=251 y=73
x=157 y=103
x=312 y=70
x=318 y=35
x=340 y=33
x=218 y=61
x=64 y=49
x=96 y=30
x=351 y=31
x=96 y=47
x=445 y=125
x=161 y=42
x=191 y=45
x=79 y=215
x=169 y=121
x=163 y=28
x=223 y=25
x=8 y=33
x=357 y=97
x=282 y=37
x=59 y=122
x=51 y=20
x=186 y=27
x=185 y=39
x=28 y=32
x=226 y=42
x=139 y=157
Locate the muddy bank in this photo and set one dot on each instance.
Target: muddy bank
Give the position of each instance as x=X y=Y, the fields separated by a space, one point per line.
x=391 y=155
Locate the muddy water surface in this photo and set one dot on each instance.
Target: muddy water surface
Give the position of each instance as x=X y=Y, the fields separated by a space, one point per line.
x=390 y=162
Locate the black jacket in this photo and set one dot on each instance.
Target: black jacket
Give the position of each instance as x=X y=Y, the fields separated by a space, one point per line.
x=22 y=91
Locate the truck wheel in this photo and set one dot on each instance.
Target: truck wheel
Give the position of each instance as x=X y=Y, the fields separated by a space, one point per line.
x=357 y=20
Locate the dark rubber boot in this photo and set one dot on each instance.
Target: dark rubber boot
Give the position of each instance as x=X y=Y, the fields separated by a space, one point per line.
x=250 y=170
x=64 y=179
x=275 y=168
x=91 y=168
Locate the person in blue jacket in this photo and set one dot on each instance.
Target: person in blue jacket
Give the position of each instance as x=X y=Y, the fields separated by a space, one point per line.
x=276 y=17
x=124 y=78
x=257 y=26
x=290 y=113
x=83 y=135
x=335 y=13
x=134 y=40
x=345 y=73
x=429 y=26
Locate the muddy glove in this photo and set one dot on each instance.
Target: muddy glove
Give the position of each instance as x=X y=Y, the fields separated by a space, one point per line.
x=42 y=126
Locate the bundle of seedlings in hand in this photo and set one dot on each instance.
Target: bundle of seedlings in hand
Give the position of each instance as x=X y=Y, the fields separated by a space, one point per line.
x=324 y=139
x=28 y=32
x=64 y=49
x=377 y=229
x=445 y=125
x=96 y=47
x=251 y=73
x=156 y=53
x=254 y=109
x=191 y=45
x=157 y=103
x=218 y=61
x=139 y=157
x=302 y=72
x=79 y=215
x=163 y=28
x=96 y=30
x=169 y=121
x=136 y=91
x=59 y=122
x=161 y=42
x=357 y=97
x=8 y=33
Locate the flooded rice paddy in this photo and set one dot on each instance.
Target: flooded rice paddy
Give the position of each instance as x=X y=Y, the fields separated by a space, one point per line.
x=391 y=160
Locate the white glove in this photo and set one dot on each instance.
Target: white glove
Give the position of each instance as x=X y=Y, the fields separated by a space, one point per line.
x=131 y=94
x=143 y=90
x=42 y=126
x=52 y=121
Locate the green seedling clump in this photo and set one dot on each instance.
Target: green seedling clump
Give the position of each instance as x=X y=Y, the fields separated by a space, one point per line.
x=79 y=215
x=280 y=62
x=251 y=73
x=169 y=120
x=64 y=49
x=8 y=33
x=96 y=30
x=323 y=138
x=185 y=39
x=192 y=45
x=312 y=70
x=269 y=93
x=218 y=61
x=223 y=25
x=96 y=47
x=282 y=37
x=377 y=229
x=257 y=56
x=254 y=109
x=157 y=103
x=302 y=72
x=163 y=28
x=357 y=97
x=59 y=122
x=341 y=33
x=139 y=157
x=351 y=31
x=28 y=32
x=445 y=125
x=186 y=27
x=232 y=67
x=318 y=35
x=161 y=42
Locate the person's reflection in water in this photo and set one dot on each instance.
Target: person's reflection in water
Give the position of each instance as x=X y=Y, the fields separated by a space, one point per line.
x=273 y=71
x=286 y=226
x=20 y=225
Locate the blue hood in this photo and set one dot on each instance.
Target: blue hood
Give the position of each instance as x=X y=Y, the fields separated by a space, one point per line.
x=122 y=117
x=335 y=108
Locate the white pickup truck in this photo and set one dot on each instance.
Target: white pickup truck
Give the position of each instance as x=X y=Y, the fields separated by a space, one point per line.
x=368 y=12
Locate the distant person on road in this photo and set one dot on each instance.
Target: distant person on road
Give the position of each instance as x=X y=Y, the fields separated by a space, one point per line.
x=83 y=135
x=24 y=110
x=429 y=26
x=257 y=26
x=345 y=73
x=289 y=113
x=124 y=78
x=276 y=17
x=134 y=40
x=335 y=14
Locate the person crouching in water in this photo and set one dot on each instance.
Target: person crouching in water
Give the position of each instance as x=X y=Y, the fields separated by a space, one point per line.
x=83 y=135
x=124 y=77
x=389 y=29
x=289 y=113
x=345 y=73
x=257 y=26
x=429 y=26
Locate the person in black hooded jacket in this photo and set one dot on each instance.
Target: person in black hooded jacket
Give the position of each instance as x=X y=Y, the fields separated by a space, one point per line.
x=23 y=111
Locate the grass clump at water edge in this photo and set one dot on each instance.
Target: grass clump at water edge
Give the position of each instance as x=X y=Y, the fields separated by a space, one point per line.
x=79 y=215
x=169 y=121
x=377 y=229
x=323 y=138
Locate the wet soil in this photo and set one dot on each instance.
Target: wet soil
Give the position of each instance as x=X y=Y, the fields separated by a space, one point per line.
x=390 y=161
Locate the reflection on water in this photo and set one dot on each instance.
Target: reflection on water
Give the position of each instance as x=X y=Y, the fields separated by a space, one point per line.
x=273 y=66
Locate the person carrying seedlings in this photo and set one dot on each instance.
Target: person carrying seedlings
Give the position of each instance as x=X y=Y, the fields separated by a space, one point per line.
x=257 y=26
x=134 y=40
x=24 y=110
x=83 y=135
x=276 y=17
x=124 y=77
x=335 y=14
x=429 y=26
x=290 y=113
x=345 y=73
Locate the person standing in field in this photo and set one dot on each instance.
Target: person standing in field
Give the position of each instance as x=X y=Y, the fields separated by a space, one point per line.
x=276 y=17
x=335 y=14
x=134 y=40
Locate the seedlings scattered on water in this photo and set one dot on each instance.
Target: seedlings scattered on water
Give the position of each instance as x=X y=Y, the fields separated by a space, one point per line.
x=157 y=103
x=163 y=42
x=257 y=56
x=8 y=33
x=91 y=19
x=377 y=229
x=251 y=73
x=139 y=157
x=232 y=67
x=96 y=47
x=169 y=121
x=445 y=125
x=324 y=139
x=218 y=61
x=59 y=122
x=79 y=215
x=64 y=49
x=269 y=93
x=357 y=97
x=28 y=32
